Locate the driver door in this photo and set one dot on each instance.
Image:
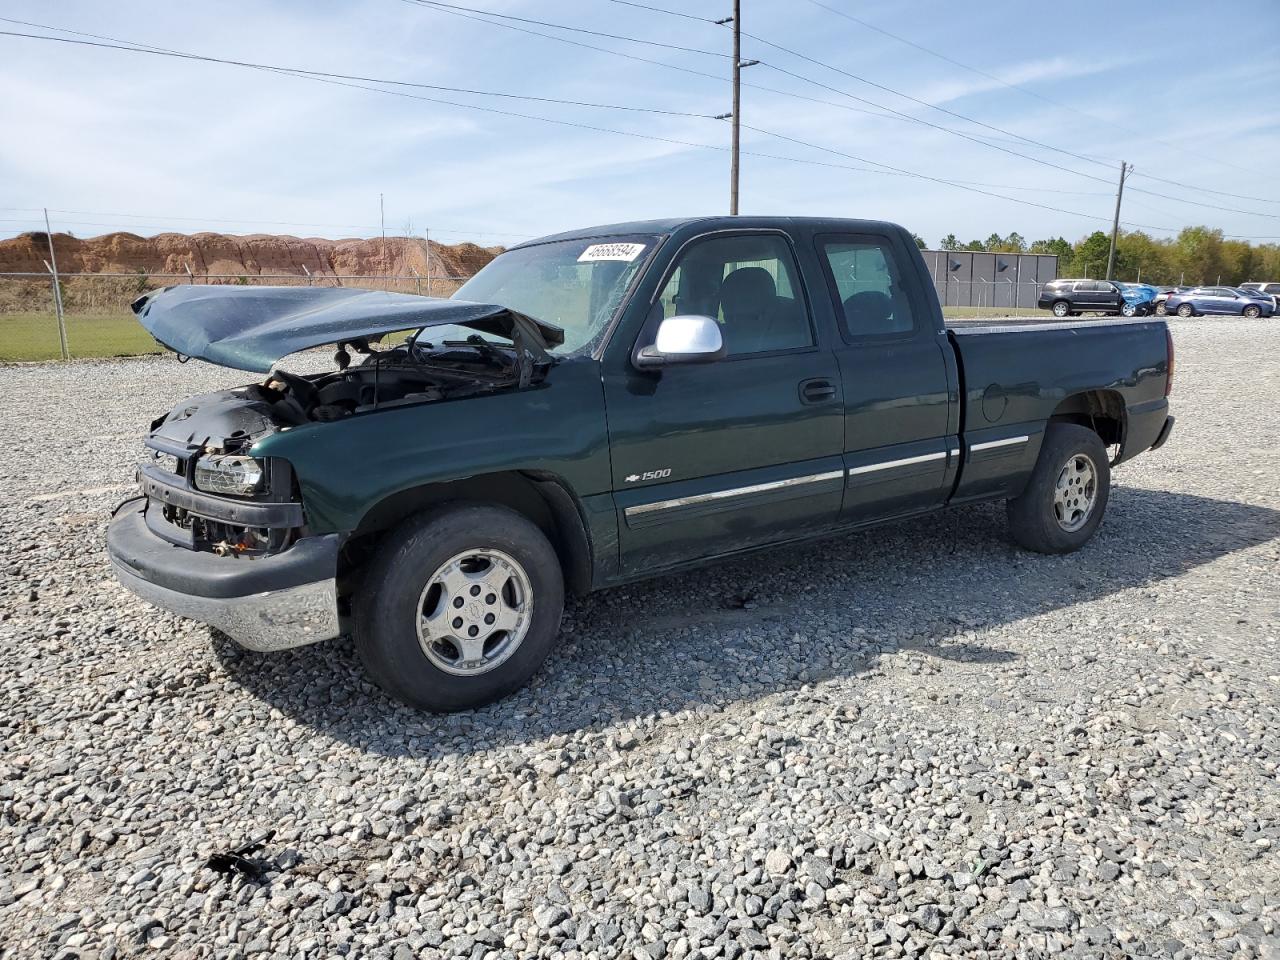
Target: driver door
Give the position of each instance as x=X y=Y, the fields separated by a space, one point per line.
x=713 y=458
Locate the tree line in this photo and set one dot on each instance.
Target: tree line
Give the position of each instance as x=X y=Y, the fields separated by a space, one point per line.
x=1196 y=255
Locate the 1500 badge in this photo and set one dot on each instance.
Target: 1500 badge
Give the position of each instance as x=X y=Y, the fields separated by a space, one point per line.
x=649 y=475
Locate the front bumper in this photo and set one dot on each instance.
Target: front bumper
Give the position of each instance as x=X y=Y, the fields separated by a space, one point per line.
x=266 y=603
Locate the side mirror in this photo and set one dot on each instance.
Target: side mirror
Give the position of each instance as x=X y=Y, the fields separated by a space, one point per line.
x=687 y=339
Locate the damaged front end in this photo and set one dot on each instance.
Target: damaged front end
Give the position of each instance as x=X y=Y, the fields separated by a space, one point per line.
x=219 y=534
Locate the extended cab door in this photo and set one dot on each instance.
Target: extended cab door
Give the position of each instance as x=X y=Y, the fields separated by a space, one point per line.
x=901 y=400
x=712 y=458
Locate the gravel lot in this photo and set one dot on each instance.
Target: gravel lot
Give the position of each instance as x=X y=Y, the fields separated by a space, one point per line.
x=914 y=741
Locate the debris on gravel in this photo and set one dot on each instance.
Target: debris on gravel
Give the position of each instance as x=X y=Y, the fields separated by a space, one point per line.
x=912 y=742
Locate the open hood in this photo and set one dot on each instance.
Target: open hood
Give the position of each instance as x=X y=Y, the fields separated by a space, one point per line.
x=250 y=328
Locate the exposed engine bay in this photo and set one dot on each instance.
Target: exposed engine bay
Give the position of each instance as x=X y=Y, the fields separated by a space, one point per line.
x=411 y=373
x=230 y=421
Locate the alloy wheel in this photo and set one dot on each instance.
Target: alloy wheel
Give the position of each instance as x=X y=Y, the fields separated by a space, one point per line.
x=474 y=612
x=1075 y=493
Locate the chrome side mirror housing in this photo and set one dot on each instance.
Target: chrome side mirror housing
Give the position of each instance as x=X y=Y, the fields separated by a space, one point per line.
x=683 y=339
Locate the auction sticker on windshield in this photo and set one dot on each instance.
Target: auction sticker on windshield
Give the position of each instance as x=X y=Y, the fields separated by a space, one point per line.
x=611 y=251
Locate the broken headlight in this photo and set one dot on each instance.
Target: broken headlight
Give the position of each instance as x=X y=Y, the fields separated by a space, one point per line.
x=229 y=474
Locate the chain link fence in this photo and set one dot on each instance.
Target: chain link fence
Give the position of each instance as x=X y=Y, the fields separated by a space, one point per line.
x=983 y=297
x=93 y=318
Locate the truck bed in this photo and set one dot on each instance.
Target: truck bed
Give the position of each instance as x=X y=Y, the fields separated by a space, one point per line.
x=962 y=325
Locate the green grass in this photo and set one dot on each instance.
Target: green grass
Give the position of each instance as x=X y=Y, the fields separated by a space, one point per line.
x=969 y=312
x=34 y=336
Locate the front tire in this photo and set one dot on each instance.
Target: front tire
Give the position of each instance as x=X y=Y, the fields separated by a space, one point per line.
x=1253 y=311
x=1065 y=500
x=1129 y=310
x=460 y=607
x=1185 y=310
x=1061 y=308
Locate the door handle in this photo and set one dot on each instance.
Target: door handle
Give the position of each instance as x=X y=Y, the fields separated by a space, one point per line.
x=819 y=390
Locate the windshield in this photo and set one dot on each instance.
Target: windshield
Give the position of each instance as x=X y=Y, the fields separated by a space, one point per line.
x=575 y=284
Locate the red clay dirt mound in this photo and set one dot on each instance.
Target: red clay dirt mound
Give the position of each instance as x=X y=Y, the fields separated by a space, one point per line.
x=241 y=256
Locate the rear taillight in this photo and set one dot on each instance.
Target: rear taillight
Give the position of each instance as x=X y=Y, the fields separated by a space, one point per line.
x=1168 y=383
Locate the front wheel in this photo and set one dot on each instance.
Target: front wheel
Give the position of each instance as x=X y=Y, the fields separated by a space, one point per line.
x=1160 y=310
x=1253 y=311
x=1129 y=310
x=1061 y=308
x=1185 y=310
x=460 y=607
x=1064 y=501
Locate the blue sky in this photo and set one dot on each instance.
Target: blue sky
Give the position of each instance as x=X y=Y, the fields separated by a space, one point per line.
x=128 y=141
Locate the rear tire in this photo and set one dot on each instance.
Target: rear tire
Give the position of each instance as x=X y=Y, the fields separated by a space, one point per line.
x=1061 y=308
x=1186 y=310
x=455 y=570
x=1253 y=311
x=1065 y=500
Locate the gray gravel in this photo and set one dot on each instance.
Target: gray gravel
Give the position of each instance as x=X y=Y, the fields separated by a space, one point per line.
x=911 y=742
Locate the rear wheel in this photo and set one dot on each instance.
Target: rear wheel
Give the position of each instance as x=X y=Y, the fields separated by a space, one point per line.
x=1061 y=308
x=1185 y=310
x=1067 y=495
x=460 y=607
x=1253 y=311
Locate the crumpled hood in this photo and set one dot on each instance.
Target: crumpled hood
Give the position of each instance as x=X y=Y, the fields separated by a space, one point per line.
x=250 y=328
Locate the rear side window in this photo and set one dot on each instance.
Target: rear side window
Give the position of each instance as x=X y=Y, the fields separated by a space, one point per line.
x=870 y=298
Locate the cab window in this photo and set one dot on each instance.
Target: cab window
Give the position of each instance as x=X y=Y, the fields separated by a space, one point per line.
x=748 y=284
x=870 y=298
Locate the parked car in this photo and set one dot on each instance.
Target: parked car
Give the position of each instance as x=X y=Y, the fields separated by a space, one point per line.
x=593 y=408
x=1070 y=298
x=1139 y=299
x=1270 y=289
x=1163 y=296
x=1202 y=301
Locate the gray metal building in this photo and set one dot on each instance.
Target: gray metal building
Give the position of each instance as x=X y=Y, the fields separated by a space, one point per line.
x=965 y=278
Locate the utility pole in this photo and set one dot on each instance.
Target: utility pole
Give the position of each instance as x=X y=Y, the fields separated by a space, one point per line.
x=735 y=116
x=57 y=290
x=737 y=106
x=386 y=269
x=1125 y=170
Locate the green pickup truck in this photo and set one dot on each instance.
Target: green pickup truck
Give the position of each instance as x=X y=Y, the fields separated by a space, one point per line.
x=592 y=408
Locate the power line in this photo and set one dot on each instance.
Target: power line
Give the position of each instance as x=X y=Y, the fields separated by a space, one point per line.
x=317 y=74
x=323 y=77
x=299 y=71
x=958 y=133
x=880 y=112
x=932 y=179
x=673 y=13
x=1013 y=135
x=438 y=4
x=1038 y=96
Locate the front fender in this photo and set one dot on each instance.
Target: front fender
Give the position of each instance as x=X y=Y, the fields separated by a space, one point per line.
x=345 y=467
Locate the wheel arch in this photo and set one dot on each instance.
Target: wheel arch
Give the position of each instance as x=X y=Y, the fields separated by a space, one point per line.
x=1102 y=411
x=542 y=498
